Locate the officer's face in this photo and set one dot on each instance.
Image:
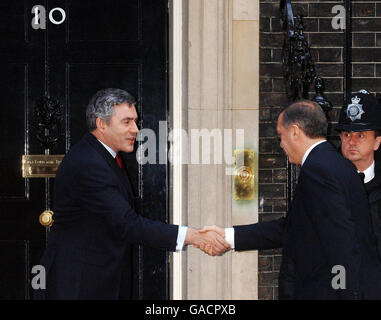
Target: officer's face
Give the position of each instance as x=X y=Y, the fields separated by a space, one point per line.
x=359 y=147
x=120 y=133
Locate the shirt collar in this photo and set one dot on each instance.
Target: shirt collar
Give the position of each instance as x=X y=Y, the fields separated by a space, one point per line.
x=112 y=152
x=310 y=149
x=369 y=173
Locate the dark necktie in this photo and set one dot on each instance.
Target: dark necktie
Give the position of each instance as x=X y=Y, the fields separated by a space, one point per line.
x=362 y=176
x=119 y=160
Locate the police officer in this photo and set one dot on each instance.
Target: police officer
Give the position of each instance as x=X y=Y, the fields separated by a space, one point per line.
x=360 y=133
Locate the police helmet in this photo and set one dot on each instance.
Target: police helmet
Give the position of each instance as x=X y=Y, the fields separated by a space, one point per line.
x=362 y=113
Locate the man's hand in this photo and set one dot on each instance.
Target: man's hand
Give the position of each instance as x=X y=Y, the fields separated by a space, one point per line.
x=210 y=242
x=213 y=229
x=219 y=230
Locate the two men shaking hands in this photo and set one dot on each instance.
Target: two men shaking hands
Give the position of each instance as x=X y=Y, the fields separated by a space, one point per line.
x=328 y=223
x=210 y=239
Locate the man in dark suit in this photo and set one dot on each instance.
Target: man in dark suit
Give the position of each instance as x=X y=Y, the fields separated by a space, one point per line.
x=327 y=229
x=94 y=218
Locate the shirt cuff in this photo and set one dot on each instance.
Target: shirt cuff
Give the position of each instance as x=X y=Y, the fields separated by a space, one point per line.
x=229 y=236
x=181 y=238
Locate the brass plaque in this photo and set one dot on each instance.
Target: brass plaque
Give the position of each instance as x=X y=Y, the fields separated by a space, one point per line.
x=41 y=165
x=244 y=174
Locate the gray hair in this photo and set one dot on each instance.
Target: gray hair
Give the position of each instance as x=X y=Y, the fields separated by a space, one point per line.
x=102 y=104
x=309 y=116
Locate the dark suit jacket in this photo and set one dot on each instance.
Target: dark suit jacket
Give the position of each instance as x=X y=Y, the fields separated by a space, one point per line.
x=328 y=224
x=94 y=226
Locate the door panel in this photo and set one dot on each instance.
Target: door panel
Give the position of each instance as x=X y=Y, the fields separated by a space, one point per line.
x=14 y=84
x=15 y=254
x=21 y=239
x=125 y=24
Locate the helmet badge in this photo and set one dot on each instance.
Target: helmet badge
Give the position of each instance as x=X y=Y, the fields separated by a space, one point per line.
x=354 y=110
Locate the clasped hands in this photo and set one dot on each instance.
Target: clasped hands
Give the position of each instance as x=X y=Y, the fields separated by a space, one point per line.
x=210 y=239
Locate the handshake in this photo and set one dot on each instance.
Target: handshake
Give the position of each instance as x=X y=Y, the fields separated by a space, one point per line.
x=210 y=239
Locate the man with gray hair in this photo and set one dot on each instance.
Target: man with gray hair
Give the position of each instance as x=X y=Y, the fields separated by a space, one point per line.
x=95 y=222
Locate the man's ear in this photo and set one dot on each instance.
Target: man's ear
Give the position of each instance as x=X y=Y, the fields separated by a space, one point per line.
x=295 y=131
x=377 y=143
x=101 y=124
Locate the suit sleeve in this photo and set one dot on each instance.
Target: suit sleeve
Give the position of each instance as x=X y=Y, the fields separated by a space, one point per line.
x=259 y=236
x=100 y=195
x=333 y=219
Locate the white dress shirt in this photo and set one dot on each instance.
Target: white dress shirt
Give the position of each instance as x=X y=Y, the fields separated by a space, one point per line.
x=369 y=173
x=182 y=230
x=229 y=232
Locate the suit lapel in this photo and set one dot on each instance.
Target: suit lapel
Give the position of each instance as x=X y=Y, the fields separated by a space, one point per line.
x=121 y=174
x=322 y=147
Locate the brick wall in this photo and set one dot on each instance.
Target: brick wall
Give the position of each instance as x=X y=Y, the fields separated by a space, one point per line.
x=327 y=51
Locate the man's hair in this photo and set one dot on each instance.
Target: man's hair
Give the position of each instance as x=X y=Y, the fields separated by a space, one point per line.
x=102 y=104
x=309 y=116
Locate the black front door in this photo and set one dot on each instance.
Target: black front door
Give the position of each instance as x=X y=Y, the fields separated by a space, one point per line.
x=115 y=43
